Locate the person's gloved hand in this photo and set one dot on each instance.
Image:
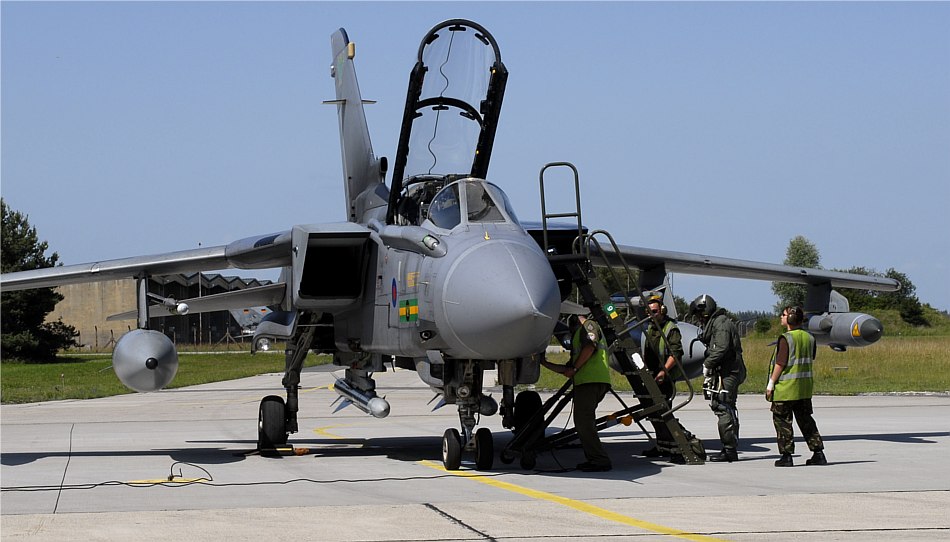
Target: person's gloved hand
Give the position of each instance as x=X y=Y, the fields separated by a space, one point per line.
x=708 y=383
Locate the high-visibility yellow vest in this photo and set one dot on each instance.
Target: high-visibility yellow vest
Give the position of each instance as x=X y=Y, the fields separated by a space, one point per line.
x=596 y=368
x=796 y=381
x=675 y=372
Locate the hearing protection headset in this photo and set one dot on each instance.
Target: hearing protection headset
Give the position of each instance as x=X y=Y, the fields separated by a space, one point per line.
x=794 y=316
x=657 y=299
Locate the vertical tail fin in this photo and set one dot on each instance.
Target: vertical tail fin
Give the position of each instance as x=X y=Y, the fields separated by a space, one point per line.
x=364 y=175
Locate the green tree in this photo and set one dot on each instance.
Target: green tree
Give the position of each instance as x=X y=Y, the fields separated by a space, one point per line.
x=763 y=325
x=904 y=299
x=682 y=307
x=23 y=332
x=801 y=253
x=861 y=300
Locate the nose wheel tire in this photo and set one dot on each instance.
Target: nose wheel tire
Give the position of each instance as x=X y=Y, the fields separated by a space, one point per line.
x=271 y=423
x=484 y=449
x=451 y=449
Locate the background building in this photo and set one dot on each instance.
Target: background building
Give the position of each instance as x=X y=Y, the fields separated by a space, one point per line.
x=86 y=307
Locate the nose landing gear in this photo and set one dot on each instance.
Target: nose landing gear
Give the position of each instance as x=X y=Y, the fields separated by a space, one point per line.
x=465 y=389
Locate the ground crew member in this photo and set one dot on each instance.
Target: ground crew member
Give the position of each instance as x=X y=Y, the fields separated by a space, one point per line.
x=790 y=388
x=591 y=374
x=723 y=371
x=662 y=351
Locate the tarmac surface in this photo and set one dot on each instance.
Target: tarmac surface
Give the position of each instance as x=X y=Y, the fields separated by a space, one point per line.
x=99 y=470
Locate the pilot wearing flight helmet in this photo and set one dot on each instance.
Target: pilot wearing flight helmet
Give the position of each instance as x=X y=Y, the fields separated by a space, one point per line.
x=723 y=370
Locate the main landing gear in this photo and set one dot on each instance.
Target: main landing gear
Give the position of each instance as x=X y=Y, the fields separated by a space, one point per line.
x=271 y=424
x=277 y=418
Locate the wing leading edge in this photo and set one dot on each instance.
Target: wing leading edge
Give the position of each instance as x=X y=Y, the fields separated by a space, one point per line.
x=699 y=264
x=260 y=252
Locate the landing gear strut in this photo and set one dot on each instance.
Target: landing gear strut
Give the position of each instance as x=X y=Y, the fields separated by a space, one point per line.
x=277 y=418
x=465 y=387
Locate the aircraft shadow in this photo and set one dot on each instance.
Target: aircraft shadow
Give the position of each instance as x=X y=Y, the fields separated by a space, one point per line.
x=414 y=449
x=766 y=443
x=209 y=456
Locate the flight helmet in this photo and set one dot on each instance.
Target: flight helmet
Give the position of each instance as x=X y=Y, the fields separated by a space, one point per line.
x=703 y=306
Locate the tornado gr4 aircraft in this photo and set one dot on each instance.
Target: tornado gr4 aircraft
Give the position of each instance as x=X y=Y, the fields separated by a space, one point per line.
x=434 y=273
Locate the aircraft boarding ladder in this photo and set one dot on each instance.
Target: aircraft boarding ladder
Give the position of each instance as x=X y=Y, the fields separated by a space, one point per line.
x=576 y=268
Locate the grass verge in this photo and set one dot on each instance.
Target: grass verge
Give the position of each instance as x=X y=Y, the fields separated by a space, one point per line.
x=87 y=377
x=894 y=364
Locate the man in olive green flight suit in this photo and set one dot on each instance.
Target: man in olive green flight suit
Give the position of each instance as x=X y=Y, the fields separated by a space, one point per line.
x=723 y=371
x=662 y=349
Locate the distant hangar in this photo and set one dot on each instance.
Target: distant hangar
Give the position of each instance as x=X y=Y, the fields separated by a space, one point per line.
x=87 y=306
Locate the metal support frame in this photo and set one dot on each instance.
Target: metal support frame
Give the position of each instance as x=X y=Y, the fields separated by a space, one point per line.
x=652 y=402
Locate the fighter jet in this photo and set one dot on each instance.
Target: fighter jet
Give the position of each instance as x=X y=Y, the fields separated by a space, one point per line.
x=434 y=273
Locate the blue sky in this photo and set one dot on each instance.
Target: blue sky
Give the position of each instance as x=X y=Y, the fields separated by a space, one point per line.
x=717 y=128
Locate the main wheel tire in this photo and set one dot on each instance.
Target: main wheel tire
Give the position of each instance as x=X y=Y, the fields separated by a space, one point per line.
x=527 y=403
x=451 y=449
x=484 y=449
x=506 y=457
x=271 y=423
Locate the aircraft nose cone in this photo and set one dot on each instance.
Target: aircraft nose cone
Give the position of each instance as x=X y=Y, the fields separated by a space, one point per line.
x=500 y=300
x=871 y=329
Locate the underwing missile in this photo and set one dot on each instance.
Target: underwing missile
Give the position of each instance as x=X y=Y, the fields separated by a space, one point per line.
x=368 y=402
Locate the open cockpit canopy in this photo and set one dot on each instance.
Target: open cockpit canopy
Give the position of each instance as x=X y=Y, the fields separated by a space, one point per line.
x=452 y=107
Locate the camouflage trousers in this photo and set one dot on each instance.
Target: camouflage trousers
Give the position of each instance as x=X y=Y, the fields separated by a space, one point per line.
x=782 y=412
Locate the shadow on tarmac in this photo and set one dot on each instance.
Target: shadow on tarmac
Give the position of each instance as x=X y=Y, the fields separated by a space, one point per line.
x=211 y=456
x=415 y=449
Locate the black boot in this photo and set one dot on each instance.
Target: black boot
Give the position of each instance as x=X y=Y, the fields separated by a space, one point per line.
x=652 y=452
x=817 y=459
x=785 y=461
x=727 y=454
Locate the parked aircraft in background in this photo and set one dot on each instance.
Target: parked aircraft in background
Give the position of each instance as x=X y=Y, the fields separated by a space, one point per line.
x=434 y=273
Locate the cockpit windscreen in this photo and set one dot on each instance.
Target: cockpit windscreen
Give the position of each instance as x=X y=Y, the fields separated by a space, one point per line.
x=483 y=202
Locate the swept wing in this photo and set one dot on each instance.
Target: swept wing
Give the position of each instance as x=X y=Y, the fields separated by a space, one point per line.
x=260 y=252
x=650 y=259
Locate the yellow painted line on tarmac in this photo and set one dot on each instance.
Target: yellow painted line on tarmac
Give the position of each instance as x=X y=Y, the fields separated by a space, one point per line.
x=580 y=506
x=324 y=387
x=325 y=431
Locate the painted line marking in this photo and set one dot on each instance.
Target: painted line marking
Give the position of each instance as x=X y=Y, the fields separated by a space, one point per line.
x=317 y=388
x=576 y=505
x=325 y=431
